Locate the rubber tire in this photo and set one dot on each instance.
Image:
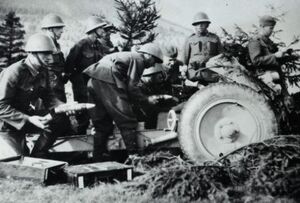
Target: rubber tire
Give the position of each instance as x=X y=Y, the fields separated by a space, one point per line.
x=256 y=102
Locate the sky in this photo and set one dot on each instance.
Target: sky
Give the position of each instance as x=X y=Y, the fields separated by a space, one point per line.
x=226 y=13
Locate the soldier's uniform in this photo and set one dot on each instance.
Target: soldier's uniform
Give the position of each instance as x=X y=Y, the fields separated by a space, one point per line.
x=264 y=62
x=57 y=73
x=261 y=51
x=113 y=87
x=82 y=55
x=198 y=49
x=21 y=84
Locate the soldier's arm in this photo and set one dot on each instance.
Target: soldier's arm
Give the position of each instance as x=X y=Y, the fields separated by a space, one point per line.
x=258 y=58
x=219 y=46
x=8 y=114
x=73 y=58
x=186 y=52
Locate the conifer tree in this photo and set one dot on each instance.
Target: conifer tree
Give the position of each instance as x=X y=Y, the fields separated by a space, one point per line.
x=11 y=40
x=138 y=19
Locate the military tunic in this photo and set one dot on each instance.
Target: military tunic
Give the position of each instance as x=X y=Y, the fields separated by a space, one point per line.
x=197 y=51
x=20 y=85
x=261 y=51
x=82 y=54
x=56 y=72
x=113 y=87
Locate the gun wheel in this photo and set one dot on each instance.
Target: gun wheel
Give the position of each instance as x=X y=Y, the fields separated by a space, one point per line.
x=223 y=117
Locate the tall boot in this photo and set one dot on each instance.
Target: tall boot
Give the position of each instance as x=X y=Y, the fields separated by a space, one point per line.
x=42 y=145
x=100 y=147
x=130 y=139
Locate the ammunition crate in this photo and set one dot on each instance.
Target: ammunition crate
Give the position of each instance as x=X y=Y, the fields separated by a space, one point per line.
x=43 y=171
x=85 y=175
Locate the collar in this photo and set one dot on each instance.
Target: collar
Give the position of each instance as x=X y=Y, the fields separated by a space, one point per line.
x=205 y=34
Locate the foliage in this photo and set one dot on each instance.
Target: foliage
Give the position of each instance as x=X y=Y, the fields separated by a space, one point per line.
x=11 y=39
x=138 y=19
x=265 y=169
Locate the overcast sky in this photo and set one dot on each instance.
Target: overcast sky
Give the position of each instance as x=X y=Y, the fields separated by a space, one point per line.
x=226 y=13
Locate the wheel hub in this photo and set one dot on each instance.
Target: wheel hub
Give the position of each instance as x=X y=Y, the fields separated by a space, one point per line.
x=226 y=130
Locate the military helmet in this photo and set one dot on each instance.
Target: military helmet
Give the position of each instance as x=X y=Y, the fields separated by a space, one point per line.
x=200 y=18
x=153 y=50
x=39 y=43
x=51 y=20
x=267 y=21
x=93 y=23
x=157 y=68
x=171 y=51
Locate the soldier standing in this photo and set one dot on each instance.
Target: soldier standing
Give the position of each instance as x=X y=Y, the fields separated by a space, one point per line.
x=113 y=87
x=199 y=48
x=22 y=83
x=52 y=25
x=87 y=51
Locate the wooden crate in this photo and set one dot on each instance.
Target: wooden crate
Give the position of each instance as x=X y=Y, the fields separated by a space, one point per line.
x=88 y=174
x=35 y=169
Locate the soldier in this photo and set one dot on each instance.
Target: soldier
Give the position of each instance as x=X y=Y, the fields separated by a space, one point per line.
x=266 y=58
x=113 y=87
x=21 y=83
x=109 y=48
x=199 y=48
x=52 y=25
x=87 y=51
x=173 y=64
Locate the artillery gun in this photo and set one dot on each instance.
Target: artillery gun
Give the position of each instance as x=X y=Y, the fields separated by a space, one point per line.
x=238 y=110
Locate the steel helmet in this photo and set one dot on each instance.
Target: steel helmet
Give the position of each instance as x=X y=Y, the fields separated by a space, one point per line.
x=52 y=20
x=171 y=51
x=153 y=50
x=93 y=23
x=200 y=18
x=39 y=43
x=157 y=68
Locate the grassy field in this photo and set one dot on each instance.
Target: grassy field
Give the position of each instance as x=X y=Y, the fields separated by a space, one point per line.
x=170 y=178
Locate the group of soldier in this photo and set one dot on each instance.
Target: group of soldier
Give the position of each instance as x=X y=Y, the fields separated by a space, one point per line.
x=114 y=81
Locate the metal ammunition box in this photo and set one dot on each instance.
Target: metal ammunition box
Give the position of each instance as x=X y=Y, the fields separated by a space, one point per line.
x=89 y=174
x=34 y=169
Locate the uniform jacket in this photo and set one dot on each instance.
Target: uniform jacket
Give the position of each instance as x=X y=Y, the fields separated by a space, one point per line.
x=200 y=49
x=83 y=54
x=20 y=84
x=124 y=69
x=261 y=51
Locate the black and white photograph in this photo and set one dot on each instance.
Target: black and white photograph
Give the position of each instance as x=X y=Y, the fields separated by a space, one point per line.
x=149 y=101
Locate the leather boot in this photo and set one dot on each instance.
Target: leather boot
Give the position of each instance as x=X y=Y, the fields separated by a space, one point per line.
x=100 y=147
x=130 y=139
x=42 y=145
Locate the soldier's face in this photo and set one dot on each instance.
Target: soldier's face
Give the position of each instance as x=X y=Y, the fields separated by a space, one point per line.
x=100 y=32
x=267 y=30
x=46 y=58
x=201 y=27
x=57 y=31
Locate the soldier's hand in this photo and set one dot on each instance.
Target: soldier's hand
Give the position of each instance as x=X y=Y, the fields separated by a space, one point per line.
x=153 y=99
x=279 y=54
x=40 y=121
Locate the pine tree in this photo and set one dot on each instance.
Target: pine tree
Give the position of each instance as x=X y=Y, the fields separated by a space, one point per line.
x=11 y=40
x=138 y=19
